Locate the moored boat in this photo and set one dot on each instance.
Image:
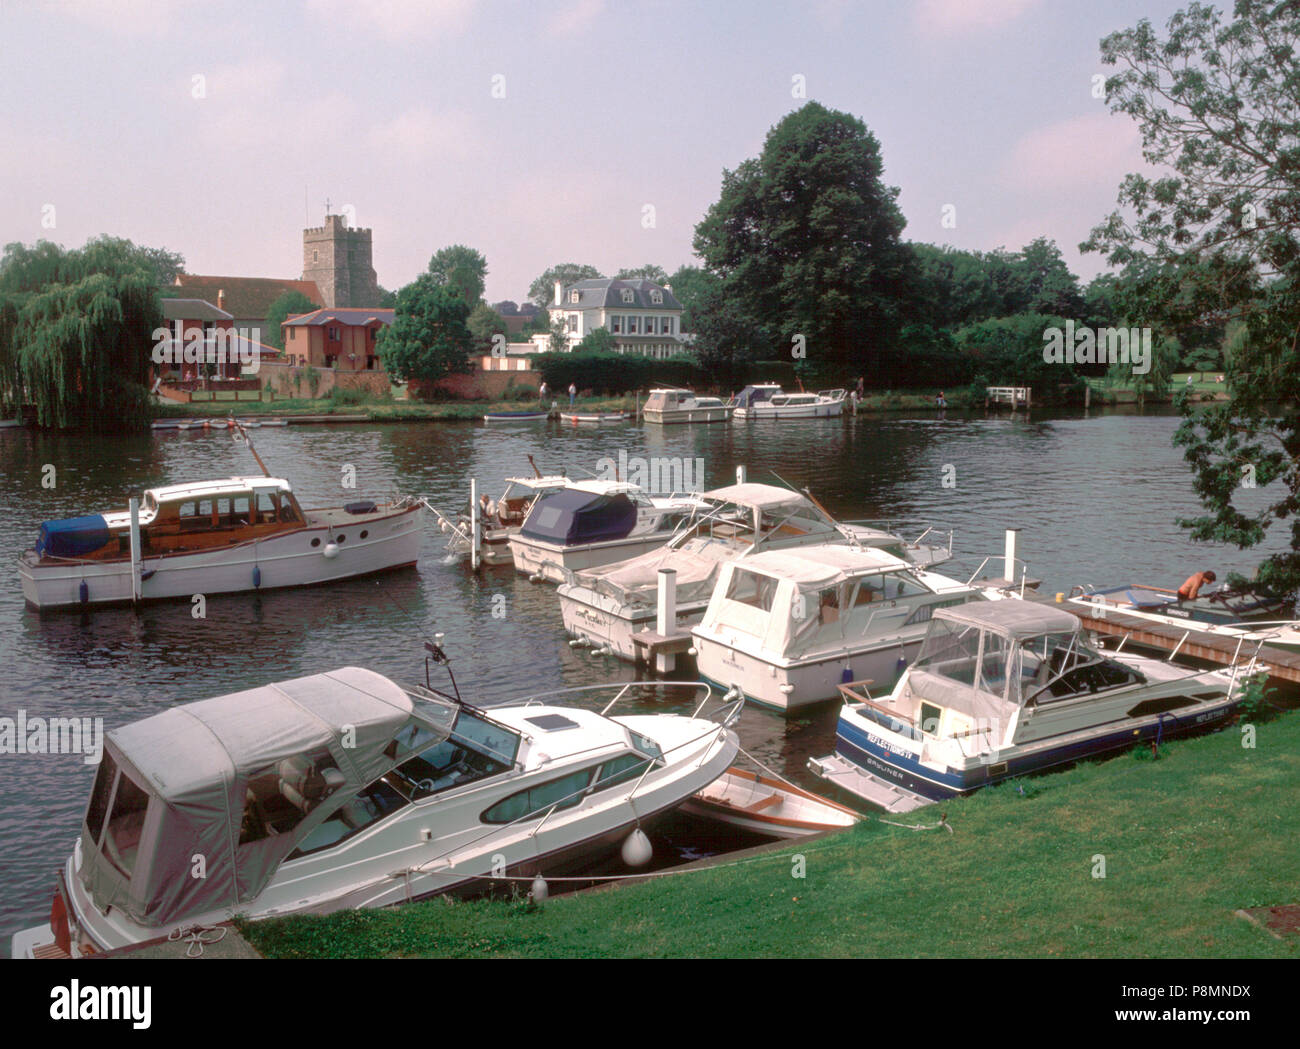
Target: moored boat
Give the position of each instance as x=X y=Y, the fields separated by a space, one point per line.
x=497 y=519
x=346 y=790
x=766 y=805
x=1006 y=688
x=594 y=417
x=769 y=401
x=515 y=417
x=672 y=405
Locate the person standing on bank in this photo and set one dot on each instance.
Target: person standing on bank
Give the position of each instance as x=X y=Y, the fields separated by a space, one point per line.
x=541 y=393
x=573 y=392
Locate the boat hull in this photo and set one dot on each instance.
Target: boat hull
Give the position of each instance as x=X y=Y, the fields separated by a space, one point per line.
x=551 y=562
x=671 y=416
x=605 y=623
x=802 y=411
x=287 y=559
x=743 y=799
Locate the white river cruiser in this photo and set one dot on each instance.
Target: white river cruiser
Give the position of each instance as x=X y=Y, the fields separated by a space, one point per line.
x=1006 y=688
x=671 y=405
x=592 y=523
x=789 y=626
x=770 y=401
x=608 y=607
x=345 y=790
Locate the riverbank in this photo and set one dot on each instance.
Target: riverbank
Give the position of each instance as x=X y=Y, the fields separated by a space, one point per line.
x=1182 y=842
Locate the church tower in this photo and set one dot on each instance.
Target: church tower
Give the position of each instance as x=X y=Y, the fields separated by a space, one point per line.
x=339 y=260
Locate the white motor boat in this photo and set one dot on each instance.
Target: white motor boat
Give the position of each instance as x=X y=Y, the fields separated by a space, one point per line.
x=1006 y=688
x=769 y=401
x=592 y=523
x=498 y=519
x=344 y=790
x=666 y=406
x=789 y=626
x=615 y=606
x=215 y=537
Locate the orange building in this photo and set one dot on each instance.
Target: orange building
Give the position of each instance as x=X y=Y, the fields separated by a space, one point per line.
x=336 y=338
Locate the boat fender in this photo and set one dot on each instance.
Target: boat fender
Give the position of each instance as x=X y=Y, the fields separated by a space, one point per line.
x=900 y=666
x=257 y=577
x=83 y=592
x=540 y=889
x=846 y=675
x=637 y=849
x=330 y=550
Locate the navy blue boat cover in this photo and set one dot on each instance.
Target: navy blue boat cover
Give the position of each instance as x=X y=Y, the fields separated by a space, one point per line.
x=74 y=537
x=571 y=517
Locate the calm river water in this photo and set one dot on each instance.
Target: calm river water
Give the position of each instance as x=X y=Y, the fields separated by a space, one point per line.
x=1096 y=499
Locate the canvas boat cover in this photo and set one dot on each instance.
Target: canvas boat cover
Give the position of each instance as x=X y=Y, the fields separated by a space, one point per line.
x=817 y=567
x=1011 y=619
x=764 y=496
x=74 y=537
x=572 y=517
x=196 y=760
x=636 y=580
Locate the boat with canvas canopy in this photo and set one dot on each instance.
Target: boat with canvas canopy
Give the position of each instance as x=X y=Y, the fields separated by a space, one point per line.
x=608 y=606
x=1006 y=688
x=497 y=519
x=770 y=401
x=674 y=405
x=788 y=626
x=345 y=790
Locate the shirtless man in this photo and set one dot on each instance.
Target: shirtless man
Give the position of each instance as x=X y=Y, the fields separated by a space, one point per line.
x=1192 y=587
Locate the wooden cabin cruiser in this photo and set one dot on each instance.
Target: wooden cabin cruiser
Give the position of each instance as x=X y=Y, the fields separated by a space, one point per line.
x=344 y=790
x=498 y=519
x=214 y=537
x=1006 y=688
x=682 y=406
x=593 y=523
x=788 y=626
x=769 y=401
x=1223 y=612
x=609 y=606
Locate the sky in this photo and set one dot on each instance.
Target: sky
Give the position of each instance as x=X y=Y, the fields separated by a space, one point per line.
x=588 y=131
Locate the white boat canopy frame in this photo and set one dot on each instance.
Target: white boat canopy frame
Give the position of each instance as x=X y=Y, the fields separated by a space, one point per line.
x=176 y=790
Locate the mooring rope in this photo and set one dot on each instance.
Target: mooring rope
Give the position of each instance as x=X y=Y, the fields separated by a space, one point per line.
x=194 y=935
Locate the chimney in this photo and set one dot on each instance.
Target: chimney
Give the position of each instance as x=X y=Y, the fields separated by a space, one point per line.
x=221 y=298
x=559 y=292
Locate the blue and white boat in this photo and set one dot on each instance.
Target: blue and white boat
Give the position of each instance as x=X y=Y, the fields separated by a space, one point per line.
x=1006 y=688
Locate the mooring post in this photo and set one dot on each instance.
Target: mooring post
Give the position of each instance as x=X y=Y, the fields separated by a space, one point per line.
x=740 y=474
x=1009 y=567
x=137 y=580
x=666 y=616
x=473 y=524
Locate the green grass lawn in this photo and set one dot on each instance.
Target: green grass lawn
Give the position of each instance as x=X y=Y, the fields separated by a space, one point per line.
x=1209 y=828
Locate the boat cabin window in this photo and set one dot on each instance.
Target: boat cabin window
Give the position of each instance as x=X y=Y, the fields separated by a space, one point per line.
x=888 y=587
x=476 y=749
x=930 y=715
x=268 y=508
x=125 y=824
x=369 y=806
x=621 y=770
x=562 y=793
x=746 y=588
x=1084 y=679
x=281 y=795
x=100 y=796
x=646 y=746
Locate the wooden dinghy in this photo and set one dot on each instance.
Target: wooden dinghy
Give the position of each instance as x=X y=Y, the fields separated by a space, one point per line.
x=594 y=417
x=768 y=806
x=514 y=417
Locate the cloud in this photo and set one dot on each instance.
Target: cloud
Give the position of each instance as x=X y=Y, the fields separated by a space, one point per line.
x=396 y=20
x=956 y=16
x=574 y=18
x=421 y=134
x=1080 y=152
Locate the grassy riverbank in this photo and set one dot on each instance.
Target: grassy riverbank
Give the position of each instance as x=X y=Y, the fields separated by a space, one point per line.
x=1209 y=828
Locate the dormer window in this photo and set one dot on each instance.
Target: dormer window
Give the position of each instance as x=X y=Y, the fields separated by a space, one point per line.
x=575 y=296
x=657 y=297
x=627 y=295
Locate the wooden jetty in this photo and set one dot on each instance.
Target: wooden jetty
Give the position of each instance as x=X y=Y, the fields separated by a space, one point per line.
x=1201 y=644
x=1012 y=396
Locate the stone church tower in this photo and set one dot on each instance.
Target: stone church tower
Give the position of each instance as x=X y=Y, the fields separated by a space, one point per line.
x=338 y=259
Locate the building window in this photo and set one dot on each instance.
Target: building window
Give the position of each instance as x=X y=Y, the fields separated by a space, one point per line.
x=633 y=325
x=333 y=334
x=628 y=295
x=575 y=296
x=649 y=325
x=668 y=325
x=657 y=297
x=315 y=256
x=370 y=363
x=615 y=324
x=572 y=322
x=293 y=332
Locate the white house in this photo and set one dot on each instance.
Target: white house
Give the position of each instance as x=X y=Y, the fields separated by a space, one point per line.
x=644 y=317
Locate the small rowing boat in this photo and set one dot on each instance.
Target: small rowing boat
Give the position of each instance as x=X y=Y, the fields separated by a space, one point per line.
x=514 y=417
x=768 y=806
x=594 y=417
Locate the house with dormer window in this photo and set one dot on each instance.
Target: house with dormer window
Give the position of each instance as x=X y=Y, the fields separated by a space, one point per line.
x=644 y=317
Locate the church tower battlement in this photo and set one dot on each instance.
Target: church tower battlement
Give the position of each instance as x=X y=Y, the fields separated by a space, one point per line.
x=340 y=261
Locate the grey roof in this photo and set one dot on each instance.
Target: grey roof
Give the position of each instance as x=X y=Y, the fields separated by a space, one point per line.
x=608 y=292
x=1011 y=618
x=193 y=310
x=341 y=315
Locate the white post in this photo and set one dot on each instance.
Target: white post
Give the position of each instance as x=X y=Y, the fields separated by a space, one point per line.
x=740 y=474
x=666 y=616
x=473 y=524
x=1009 y=569
x=137 y=581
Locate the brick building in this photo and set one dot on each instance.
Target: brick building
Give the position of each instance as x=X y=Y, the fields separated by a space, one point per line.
x=336 y=338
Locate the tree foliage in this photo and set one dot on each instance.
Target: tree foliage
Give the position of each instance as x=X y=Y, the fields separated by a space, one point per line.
x=1215 y=240
x=484 y=324
x=429 y=338
x=462 y=269
x=806 y=238
x=649 y=272
x=289 y=303
x=691 y=285
x=77 y=330
x=542 y=290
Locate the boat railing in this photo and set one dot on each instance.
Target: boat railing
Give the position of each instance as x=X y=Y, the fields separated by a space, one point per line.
x=728 y=707
x=1019 y=569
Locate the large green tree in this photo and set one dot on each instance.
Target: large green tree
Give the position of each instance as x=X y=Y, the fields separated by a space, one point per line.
x=77 y=330
x=484 y=325
x=691 y=285
x=542 y=290
x=429 y=338
x=462 y=269
x=288 y=303
x=806 y=238
x=648 y=272
x=1214 y=238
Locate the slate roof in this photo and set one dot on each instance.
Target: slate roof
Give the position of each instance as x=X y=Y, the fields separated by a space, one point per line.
x=608 y=292
x=247 y=297
x=192 y=310
x=340 y=315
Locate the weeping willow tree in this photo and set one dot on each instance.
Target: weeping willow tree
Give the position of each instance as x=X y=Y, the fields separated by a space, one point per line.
x=76 y=331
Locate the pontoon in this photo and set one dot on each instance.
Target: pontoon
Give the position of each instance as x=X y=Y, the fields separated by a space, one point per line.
x=1006 y=688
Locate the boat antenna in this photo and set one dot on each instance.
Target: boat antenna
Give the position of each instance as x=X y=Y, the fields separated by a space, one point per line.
x=536 y=472
x=434 y=648
x=237 y=425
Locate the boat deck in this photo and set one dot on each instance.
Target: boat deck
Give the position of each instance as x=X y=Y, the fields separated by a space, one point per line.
x=835 y=769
